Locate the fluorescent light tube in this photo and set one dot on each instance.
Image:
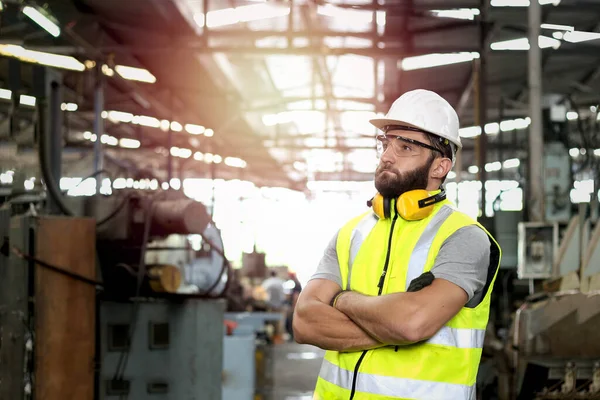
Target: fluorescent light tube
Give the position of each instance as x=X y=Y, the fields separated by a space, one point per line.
x=521 y=3
x=436 y=60
x=39 y=57
x=69 y=107
x=119 y=116
x=235 y=162
x=5 y=94
x=194 y=129
x=578 y=36
x=459 y=13
x=135 y=74
x=129 y=143
x=27 y=100
x=42 y=20
x=235 y=15
x=523 y=44
x=557 y=27
x=176 y=126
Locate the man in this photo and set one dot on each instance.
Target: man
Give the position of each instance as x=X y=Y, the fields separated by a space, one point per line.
x=273 y=286
x=401 y=296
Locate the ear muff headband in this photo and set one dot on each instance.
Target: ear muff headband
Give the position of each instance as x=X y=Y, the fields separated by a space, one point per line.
x=441 y=196
x=412 y=206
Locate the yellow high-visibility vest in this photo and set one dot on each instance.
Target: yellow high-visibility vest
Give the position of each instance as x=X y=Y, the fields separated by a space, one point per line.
x=442 y=367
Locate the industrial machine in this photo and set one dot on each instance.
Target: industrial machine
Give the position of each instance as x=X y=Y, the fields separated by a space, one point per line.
x=545 y=312
x=106 y=296
x=162 y=308
x=541 y=342
x=554 y=353
x=48 y=289
x=61 y=315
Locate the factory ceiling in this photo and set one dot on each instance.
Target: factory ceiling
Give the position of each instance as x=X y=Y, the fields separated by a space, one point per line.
x=286 y=92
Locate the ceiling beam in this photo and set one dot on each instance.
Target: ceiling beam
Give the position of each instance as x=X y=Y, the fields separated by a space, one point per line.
x=444 y=27
x=313 y=33
x=246 y=33
x=297 y=145
x=259 y=104
x=581 y=50
x=573 y=5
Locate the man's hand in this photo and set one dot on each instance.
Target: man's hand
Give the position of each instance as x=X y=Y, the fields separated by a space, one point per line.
x=403 y=318
x=316 y=322
x=424 y=280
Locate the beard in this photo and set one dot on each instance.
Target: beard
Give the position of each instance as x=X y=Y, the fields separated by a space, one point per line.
x=393 y=184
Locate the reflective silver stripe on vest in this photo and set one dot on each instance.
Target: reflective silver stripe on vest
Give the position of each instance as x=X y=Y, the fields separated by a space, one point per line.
x=459 y=337
x=419 y=255
x=396 y=387
x=359 y=234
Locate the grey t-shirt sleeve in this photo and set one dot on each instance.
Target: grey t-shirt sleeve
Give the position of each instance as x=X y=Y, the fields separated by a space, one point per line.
x=329 y=267
x=464 y=260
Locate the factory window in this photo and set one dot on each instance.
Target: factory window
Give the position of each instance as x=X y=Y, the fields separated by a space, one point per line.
x=159 y=335
x=117 y=387
x=158 y=387
x=118 y=337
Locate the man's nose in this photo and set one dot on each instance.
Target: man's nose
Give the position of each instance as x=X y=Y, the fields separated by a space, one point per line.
x=388 y=156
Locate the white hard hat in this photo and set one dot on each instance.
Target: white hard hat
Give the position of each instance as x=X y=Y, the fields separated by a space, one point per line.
x=425 y=110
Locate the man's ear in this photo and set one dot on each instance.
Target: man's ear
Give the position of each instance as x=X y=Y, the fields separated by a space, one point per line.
x=441 y=167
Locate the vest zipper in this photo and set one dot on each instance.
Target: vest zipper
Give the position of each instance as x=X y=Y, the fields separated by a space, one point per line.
x=387 y=257
x=380 y=286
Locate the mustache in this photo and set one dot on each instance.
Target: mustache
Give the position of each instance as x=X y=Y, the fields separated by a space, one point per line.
x=385 y=167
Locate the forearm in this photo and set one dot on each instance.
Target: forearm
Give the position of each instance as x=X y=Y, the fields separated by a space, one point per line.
x=382 y=317
x=321 y=325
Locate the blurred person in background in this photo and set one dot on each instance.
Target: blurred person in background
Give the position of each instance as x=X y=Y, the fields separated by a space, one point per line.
x=273 y=286
x=276 y=302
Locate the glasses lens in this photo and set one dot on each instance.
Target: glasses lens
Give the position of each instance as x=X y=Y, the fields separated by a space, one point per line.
x=382 y=143
x=404 y=148
x=401 y=147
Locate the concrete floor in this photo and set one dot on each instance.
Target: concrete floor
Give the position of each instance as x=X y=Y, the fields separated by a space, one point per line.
x=295 y=371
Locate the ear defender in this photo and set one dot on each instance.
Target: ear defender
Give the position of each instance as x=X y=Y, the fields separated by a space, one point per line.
x=412 y=206
x=381 y=206
x=408 y=205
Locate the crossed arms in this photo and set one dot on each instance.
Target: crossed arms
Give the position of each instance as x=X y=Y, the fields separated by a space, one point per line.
x=361 y=322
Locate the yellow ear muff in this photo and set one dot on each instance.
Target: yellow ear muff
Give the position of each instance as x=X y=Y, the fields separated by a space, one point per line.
x=378 y=206
x=407 y=205
x=412 y=206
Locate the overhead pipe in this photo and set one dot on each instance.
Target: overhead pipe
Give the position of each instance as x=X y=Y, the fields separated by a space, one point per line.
x=54 y=150
x=44 y=149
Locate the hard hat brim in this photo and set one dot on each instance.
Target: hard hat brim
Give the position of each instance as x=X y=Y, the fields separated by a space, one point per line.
x=381 y=123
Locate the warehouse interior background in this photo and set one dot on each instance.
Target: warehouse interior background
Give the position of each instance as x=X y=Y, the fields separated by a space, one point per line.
x=159 y=157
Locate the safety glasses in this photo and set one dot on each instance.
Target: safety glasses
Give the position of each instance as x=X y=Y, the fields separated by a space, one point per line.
x=402 y=146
